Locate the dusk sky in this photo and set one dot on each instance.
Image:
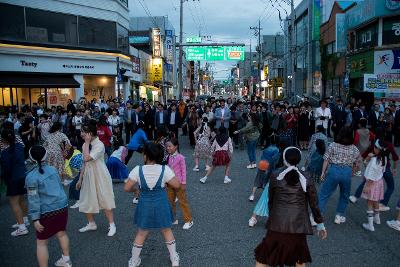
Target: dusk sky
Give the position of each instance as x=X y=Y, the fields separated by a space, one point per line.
x=223 y=20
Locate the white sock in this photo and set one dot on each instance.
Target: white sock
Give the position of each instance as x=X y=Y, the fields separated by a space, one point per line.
x=136 y=250
x=171 y=248
x=370 y=214
x=22 y=226
x=92 y=223
x=65 y=258
x=226 y=177
x=26 y=220
x=112 y=225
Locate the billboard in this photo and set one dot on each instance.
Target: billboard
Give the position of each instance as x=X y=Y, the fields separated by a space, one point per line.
x=169 y=47
x=316 y=19
x=387 y=61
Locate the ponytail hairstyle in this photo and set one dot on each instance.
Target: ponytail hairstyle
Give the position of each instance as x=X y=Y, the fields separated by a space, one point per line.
x=292 y=157
x=38 y=154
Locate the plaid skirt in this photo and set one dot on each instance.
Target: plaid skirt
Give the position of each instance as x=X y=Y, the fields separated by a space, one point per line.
x=221 y=158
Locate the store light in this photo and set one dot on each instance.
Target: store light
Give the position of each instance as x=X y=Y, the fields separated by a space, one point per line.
x=104 y=80
x=264 y=84
x=157 y=61
x=154 y=92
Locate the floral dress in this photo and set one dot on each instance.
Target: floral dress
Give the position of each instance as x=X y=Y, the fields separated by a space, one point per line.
x=55 y=144
x=203 y=145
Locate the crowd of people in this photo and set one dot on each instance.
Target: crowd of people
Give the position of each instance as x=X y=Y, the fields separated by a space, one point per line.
x=88 y=146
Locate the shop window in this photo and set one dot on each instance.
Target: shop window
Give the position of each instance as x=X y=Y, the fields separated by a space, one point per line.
x=97 y=33
x=123 y=39
x=12 y=24
x=50 y=27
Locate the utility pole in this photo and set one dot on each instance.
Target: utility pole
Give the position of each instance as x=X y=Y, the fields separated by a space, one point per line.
x=257 y=31
x=180 y=77
x=292 y=50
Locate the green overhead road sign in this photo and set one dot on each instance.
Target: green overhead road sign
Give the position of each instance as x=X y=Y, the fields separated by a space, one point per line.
x=215 y=53
x=193 y=40
x=212 y=53
x=195 y=53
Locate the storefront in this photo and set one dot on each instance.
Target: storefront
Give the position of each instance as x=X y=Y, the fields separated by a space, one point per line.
x=51 y=76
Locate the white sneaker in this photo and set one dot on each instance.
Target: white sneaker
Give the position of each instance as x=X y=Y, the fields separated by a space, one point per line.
x=15 y=226
x=207 y=168
x=339 y=219
x=377 y=219
x=175 y=260
x=134 y=263
x=19 y=232
x=135 y=200
x=252 y=222
x=175 y=222
x=62 y=263
x=251 y=197
x=203 y=180
x=196 y=169
x=176 y=199
x=112 y=229
x=75 y=206
x=358 y=174
x=227 y=180
x=88 y=227
x=353 y=199
x=394 y=224
x=368 y=227
x=383 y=207
x=187 y=225
x=250 y=166
x=254 y=166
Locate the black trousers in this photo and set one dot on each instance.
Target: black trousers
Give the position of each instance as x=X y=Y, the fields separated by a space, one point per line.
x=174 y=129
x=130 y=154
x=128 y=131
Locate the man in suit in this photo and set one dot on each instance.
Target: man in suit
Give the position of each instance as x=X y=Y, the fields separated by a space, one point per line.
x=338 y=117
x=358 y=115
x=222 y=115
x=137 y=116
x=173 y=120
x=128 y=117
x=373 y=118
x=161 y=117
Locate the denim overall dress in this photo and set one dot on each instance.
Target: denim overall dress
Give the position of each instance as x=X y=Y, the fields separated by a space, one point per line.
x=153 y=210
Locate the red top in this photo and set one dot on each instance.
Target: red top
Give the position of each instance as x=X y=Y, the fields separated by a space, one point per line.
x=291 y=121
x=104 y=134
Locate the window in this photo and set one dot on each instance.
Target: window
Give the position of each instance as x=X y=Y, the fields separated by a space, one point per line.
x=97 y=33
x=50 y=27
x=12 y=24
x=123 y=39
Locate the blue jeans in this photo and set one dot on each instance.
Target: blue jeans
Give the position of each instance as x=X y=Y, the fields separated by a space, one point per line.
x=388 y=177
x=337 y=175
x=251 y=150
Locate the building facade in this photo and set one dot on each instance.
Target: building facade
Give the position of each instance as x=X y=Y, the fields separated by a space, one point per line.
x=305 y=51
x=373 y=51
x=52 y=51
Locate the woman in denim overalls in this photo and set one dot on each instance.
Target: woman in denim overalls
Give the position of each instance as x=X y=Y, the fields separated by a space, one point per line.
x=153 y=210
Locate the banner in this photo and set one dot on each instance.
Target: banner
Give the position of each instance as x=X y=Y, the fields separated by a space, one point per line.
x=382 y=83
x=316 y=19
x=156 y=42
x=341 y=35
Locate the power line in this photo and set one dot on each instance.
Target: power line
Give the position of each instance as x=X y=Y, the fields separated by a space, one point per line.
x=147 y=11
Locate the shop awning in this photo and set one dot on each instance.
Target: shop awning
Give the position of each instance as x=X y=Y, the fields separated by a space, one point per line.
x=33 y=80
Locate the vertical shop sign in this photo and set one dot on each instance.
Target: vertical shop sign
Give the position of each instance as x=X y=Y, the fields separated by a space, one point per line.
x=156 y=41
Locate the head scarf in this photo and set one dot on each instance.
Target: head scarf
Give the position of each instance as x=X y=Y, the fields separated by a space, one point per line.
x=303 y=180
x=222 y=137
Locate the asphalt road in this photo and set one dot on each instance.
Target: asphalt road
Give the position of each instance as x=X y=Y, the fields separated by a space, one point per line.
x=220 y=235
